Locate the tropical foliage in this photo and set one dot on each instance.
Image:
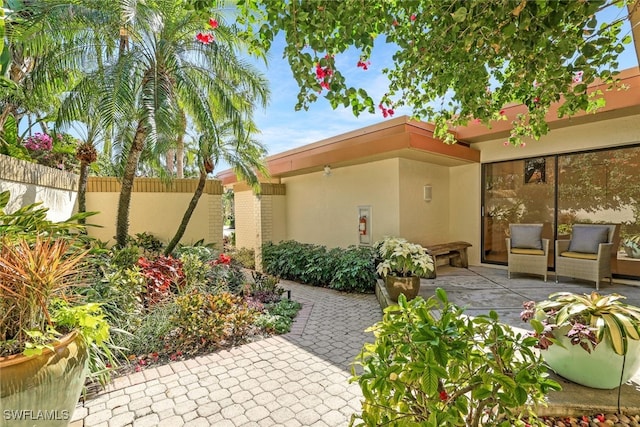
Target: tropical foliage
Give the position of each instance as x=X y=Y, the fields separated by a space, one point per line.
x=454 y=62
x=587 y=319
x=432 y=365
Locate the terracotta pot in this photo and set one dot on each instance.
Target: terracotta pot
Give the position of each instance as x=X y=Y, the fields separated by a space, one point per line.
x=44 y=390
x=409 y=286
x=599 y=369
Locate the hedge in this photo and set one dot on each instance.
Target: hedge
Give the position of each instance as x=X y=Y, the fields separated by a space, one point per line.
x=350 y=270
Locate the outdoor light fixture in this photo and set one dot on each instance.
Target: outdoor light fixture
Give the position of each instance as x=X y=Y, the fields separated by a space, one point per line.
x=327 y=170
x=427 y=193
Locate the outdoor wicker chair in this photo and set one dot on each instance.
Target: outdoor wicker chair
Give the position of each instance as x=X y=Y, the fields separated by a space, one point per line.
x=588 y=254
x=527 y=251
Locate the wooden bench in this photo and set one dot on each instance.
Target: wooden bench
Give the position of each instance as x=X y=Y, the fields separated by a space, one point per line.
x=454 y=254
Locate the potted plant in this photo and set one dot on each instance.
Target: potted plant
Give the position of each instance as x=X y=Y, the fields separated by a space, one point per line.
x=47 y=334
x=401 y=265
x=593 y=340
x=631 y=245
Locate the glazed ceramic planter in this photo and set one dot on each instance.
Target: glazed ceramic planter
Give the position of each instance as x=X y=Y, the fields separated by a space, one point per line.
x=599 y=369
x=44 y=390
x=409 y=286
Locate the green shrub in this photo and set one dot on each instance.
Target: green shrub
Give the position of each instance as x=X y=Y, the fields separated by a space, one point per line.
x=205 y=321
x=151 y=334
x=150 y=244
x=431 y=365
x=203 y=252
x=264 y=288
x=245 y=257
x=354 y=270
x=195 y=270
x=350 y=270
x=278 y=317
x=119 y=294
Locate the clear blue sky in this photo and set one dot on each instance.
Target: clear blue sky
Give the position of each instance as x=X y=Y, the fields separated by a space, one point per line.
x=283 y=128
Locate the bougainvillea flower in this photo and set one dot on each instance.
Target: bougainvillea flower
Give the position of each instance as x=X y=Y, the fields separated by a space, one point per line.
x=205 y=38
x=213 y=23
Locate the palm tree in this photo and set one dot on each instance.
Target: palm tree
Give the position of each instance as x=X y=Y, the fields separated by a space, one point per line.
x=161 y=71
x=244 y=154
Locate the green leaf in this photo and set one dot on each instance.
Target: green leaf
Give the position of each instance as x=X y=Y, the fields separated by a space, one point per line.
x=460 y=14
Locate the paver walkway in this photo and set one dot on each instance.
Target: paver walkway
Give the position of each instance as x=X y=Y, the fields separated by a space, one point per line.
x=301 y=378
x=297 y=379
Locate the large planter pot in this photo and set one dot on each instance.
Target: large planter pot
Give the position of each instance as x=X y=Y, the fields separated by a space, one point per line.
x=599 y=369
x=44 y=390
x=409 y=286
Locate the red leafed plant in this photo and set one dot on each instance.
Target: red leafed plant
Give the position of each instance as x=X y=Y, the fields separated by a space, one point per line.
x=164 y=275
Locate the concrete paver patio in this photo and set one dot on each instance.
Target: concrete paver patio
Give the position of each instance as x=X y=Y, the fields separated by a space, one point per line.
x=301 y=378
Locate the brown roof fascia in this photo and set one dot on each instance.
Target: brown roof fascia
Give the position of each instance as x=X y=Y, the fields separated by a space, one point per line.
x=386 y=137
x=615 y=100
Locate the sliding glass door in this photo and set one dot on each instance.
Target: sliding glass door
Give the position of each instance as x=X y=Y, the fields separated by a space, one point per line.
x=592 y=187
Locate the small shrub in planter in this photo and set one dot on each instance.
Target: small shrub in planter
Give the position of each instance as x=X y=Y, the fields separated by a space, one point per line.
x=431 y=365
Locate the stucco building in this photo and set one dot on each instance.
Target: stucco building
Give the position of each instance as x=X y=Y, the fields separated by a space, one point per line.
x=407 y=183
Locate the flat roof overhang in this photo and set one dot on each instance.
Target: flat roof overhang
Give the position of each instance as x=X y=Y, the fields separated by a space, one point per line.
x=398 y=137
x=619 y=103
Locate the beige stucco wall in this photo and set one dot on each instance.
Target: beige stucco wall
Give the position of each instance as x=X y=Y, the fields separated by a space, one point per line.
x=324 y=209
x=245 y=206
x=158 y=213
x=31 y=183
x=464 y=207
x=421 y=221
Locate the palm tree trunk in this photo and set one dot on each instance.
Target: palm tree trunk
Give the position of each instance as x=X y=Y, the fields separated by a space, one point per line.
x=122 y=222
x=169 y=160
x=187 y=214
x=82 y=190
x=180 y=157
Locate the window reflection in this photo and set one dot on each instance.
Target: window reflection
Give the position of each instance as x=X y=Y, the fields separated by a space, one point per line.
x=593 y=187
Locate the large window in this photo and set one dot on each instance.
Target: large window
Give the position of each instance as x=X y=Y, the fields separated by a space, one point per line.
x=593 y=187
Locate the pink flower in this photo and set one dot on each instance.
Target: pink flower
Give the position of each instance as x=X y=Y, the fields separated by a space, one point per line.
x=506 y=143
x=536 y=100
x=213 y=23
x=205 y=38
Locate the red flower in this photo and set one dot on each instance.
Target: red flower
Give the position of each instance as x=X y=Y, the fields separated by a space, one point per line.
x=502 y=113
x=320 y=72
x=213 y=23
x=600 y=418
x=364 y=65
x=536 y=100
x=395 y=23
x=324 y=85
x=205 y=38
x=413 y=17
x=386 y=112
x=444 y=396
